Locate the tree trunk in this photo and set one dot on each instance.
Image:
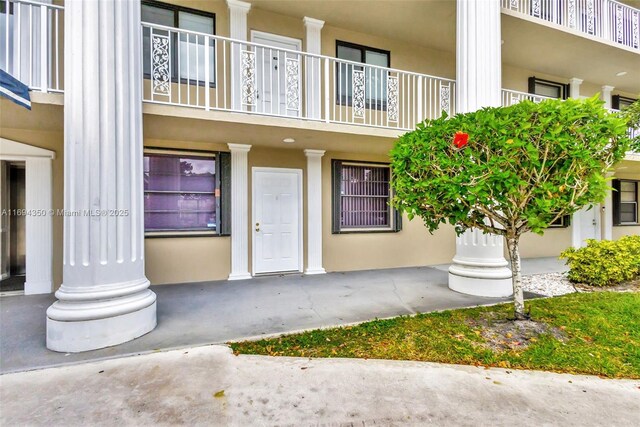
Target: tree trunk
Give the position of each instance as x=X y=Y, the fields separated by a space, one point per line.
x=518 y=295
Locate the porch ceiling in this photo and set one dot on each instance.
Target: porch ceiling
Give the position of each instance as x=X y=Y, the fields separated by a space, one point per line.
x=547 y=50
x=430 y=23
x=187 y=124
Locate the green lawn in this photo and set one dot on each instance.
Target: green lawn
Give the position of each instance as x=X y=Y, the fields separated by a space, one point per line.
x=589 y=333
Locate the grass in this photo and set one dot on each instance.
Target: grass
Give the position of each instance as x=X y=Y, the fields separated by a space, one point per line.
x=600 y=335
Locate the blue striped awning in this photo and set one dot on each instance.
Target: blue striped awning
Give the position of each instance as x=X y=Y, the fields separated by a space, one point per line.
x=14 y=89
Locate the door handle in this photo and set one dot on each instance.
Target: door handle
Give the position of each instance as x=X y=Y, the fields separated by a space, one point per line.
x=257 y=226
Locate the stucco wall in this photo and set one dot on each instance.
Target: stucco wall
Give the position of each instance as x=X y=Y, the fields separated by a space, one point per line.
x=41 y=127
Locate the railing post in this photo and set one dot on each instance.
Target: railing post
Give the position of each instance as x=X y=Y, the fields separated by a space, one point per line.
x=605 y=20
x=420 y=100
x=44 y=66
x=327 y=90
x=207 y=91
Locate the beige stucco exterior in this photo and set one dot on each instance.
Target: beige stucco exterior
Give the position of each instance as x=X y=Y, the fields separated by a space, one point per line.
x=194 y=259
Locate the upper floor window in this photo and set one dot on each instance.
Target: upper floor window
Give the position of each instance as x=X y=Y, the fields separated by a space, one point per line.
x=547 y=88
x=374 y=78
x=187 y=47
x=620 y=102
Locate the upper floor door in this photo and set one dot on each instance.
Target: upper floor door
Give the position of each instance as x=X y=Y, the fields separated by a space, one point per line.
x=278 y=74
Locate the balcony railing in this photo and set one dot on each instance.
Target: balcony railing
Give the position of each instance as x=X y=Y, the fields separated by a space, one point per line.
x=31 y=41
x=606 y=19
x=511 y=97
x=193 y=69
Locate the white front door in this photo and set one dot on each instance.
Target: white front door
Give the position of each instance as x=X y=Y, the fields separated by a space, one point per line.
x=277 y=220
x=589 y=224
x=278 y=74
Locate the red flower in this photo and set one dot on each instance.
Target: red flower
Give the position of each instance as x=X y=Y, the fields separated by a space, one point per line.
x=460 y=139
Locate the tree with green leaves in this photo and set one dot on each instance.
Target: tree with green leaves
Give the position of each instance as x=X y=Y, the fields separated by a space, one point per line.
x=632 y=115
x=508 y=170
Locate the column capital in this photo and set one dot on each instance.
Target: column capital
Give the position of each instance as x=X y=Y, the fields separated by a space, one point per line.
x=607 y=88
x=313 y=23
x=575 y=81
x=240 y=6
x=314 y=153
x=239 y=148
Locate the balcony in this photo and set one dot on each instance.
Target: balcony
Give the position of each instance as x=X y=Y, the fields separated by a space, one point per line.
x=608 y=20
x=213 y=73
x=191 y=69
x=511 y=97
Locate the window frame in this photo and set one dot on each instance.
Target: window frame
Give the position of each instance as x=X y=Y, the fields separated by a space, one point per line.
x=533 y=80
x=395 y=217
x=176 y=9
x=222 y=188
x=615 y=101
x=617 y=203
x=565 y=222
x=346 y=100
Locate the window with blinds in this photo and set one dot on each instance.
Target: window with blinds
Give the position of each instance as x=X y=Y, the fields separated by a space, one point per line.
x=625 y=202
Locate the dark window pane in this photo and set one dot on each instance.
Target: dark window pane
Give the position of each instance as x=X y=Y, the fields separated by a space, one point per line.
x=179 y=193
x=551 y=91
x=628 y=212
x=157 y=15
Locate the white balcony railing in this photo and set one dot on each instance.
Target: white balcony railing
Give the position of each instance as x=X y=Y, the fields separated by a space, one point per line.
x=510 y=97
x=31 y=43
x=200 y=70
x=606 y=19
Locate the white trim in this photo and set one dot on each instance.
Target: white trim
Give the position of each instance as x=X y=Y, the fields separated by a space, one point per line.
x=314 y=211
x=14 y=150
x=239 y=214
x=38 y=198
x=298 y=172
x=276 y=38
x=313 y=44
x=22 y=101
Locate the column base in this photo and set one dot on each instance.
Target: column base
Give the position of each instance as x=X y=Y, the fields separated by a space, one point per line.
x=481 y=281
x=75 y=326
x=310 y=272
x=240 y=276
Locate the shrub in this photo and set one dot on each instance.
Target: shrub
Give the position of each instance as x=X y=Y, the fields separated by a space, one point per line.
x=604 y=262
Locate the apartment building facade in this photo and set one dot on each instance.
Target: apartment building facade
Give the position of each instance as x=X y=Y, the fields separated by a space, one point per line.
x=184 y=141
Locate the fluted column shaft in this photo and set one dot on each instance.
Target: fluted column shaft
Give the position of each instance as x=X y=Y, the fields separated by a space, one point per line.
x=239 y=212
x=103 y=270
x=479 y=266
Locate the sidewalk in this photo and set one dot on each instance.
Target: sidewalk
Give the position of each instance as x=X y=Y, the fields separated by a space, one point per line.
x=209 y=386
x=217 y=312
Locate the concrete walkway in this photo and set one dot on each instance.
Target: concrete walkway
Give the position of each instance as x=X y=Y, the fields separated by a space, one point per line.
x=218 y=312
x=209 y=386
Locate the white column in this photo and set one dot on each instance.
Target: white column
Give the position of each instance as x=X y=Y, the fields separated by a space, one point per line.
x=104 y=299
x=314 y=76
x=238 y=11
x=574 y=87
x=239 y=212
x=314 y=211
x=479 y=266
x=39 y=232
x=605 y=95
